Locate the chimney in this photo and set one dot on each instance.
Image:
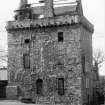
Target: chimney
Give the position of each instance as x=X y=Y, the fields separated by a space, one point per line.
x=79 y=7
x=48 y=8
x=23 y=3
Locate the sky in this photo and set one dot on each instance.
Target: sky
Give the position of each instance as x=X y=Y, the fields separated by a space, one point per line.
x=94 y=11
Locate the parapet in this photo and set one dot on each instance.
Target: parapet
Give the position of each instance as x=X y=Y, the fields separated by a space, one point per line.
x=37 y=17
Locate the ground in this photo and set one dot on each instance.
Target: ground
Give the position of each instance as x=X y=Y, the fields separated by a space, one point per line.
x=9 y=102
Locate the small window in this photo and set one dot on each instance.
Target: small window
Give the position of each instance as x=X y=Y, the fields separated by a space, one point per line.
x=87 y=83
x=39 y=86
x=27 y=41
x=60 y=65
x=83 y=63
x=60 y=36
x=26 y=59
x=61 y=86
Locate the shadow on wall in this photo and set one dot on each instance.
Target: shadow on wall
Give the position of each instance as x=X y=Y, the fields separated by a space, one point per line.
x=3 y=85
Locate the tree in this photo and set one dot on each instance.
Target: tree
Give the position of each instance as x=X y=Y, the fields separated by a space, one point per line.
x=98 y=58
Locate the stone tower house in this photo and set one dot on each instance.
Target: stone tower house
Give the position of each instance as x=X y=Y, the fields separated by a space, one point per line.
x=50 y=57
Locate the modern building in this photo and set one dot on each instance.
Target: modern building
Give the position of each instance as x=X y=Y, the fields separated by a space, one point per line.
x=50 y=54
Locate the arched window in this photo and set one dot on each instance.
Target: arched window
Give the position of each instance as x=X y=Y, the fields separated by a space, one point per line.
x=39 y=86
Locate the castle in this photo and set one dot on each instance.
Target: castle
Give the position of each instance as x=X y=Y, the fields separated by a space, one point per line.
x=50 y=54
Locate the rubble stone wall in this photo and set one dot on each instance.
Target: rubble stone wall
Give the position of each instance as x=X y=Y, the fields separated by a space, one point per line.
x=46 y=53
x=87 y=83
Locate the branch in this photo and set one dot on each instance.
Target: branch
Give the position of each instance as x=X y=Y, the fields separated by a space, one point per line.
x=98 y=57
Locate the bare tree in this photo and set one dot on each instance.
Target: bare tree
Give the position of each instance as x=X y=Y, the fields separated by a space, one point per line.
x=98 y=58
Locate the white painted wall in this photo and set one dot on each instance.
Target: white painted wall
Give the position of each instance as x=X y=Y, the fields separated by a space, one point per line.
x=3 y=75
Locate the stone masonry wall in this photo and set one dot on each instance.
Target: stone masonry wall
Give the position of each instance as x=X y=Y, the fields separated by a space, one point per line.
x=87 y=84
x=46 y=53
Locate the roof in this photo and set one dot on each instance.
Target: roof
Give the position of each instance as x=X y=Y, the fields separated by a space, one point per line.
x=64 y=9
x=63 y=15
x=57 y=10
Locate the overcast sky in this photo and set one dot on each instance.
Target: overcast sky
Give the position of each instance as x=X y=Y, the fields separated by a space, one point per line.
x=94 y=10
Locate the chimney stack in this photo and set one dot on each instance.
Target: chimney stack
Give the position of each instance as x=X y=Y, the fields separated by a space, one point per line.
x=79 y=9
x=23 y=3
x=48 y=8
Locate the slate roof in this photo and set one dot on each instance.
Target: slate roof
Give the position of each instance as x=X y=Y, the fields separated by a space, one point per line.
x=57 y=10
x=63 y=15
x=64 y=9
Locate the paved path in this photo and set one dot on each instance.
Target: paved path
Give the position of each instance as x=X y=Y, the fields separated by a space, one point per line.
x=9 y=102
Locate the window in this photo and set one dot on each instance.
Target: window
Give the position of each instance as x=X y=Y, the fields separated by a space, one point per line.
x=60 y=36
x=26 y=59
x=61 y=86
x=60 y=65
x=27 y=41
x=39 y=85
x=87 y=82
x=83 y=64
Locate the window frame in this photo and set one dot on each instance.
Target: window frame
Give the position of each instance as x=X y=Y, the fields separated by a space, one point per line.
x=60 y=36
x=60 y=86
x=24 y=60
